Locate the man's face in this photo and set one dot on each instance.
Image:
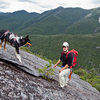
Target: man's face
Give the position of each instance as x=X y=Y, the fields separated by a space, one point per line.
x=65 y=48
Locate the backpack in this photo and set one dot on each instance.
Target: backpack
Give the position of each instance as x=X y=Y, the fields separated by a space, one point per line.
x=75 y=56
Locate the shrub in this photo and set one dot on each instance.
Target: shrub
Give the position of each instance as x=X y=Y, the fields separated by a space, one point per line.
x=26 y=49
x=46 y=70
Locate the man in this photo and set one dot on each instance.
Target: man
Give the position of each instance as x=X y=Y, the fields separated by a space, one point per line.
x=65 y=71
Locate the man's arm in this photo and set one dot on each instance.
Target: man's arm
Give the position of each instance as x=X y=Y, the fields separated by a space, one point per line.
x=57 y=63
x=65 y=67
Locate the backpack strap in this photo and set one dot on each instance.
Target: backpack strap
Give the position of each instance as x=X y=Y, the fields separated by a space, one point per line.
x=67 y=54
x=67 y=57
x=62 y=53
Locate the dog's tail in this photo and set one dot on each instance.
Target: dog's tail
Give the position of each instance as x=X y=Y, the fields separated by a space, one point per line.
x=4 y=34
x=1 y=36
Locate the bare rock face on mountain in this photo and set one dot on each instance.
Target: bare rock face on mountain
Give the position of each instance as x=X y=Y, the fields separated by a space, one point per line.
x=17 y=84
x=30 y=63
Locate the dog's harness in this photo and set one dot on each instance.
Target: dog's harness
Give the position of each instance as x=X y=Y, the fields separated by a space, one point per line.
x=14 y=37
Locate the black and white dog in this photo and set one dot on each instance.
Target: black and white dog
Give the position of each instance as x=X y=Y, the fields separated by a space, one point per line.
x=14 y=40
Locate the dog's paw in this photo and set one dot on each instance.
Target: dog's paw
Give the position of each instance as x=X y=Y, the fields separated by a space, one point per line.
x=19 y=57
x=20 y=60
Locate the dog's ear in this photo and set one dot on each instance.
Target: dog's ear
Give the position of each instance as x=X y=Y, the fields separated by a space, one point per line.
x=21 y=37
x=27 y=37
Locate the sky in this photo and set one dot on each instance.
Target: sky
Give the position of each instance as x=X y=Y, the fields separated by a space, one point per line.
x=40 y=6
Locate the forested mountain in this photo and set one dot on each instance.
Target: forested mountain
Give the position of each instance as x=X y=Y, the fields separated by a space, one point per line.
x=56 y=21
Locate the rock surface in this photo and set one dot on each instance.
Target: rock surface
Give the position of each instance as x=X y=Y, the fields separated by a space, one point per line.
x=17 y=84
x=30 y=63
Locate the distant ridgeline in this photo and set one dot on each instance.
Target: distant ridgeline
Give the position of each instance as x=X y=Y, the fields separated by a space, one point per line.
x=56 y=21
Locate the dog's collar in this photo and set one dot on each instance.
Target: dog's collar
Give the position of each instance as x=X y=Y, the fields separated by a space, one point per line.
x=28 y=44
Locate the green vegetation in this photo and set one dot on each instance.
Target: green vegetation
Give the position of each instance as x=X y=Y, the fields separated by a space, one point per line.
x=26 y=49
x=46 y=70
x=89 y=76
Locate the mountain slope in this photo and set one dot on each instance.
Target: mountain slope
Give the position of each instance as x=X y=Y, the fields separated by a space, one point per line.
x=89 y=24
x=56 y=21
x=17 y=84
x=15 y=20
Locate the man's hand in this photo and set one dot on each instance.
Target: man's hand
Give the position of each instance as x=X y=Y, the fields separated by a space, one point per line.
x=55 y=65
x=60 y=71
x=65 y=67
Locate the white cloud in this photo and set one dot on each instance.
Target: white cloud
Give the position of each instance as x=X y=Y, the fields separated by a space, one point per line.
x=96 y=3
x=3 y=5
x=43 y=5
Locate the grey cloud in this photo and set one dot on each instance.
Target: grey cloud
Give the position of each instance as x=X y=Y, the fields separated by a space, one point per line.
x=36 y=3
x=45 y=6
x=30 y=1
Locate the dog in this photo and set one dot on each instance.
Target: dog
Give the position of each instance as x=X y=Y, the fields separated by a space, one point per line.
x=14 y=40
